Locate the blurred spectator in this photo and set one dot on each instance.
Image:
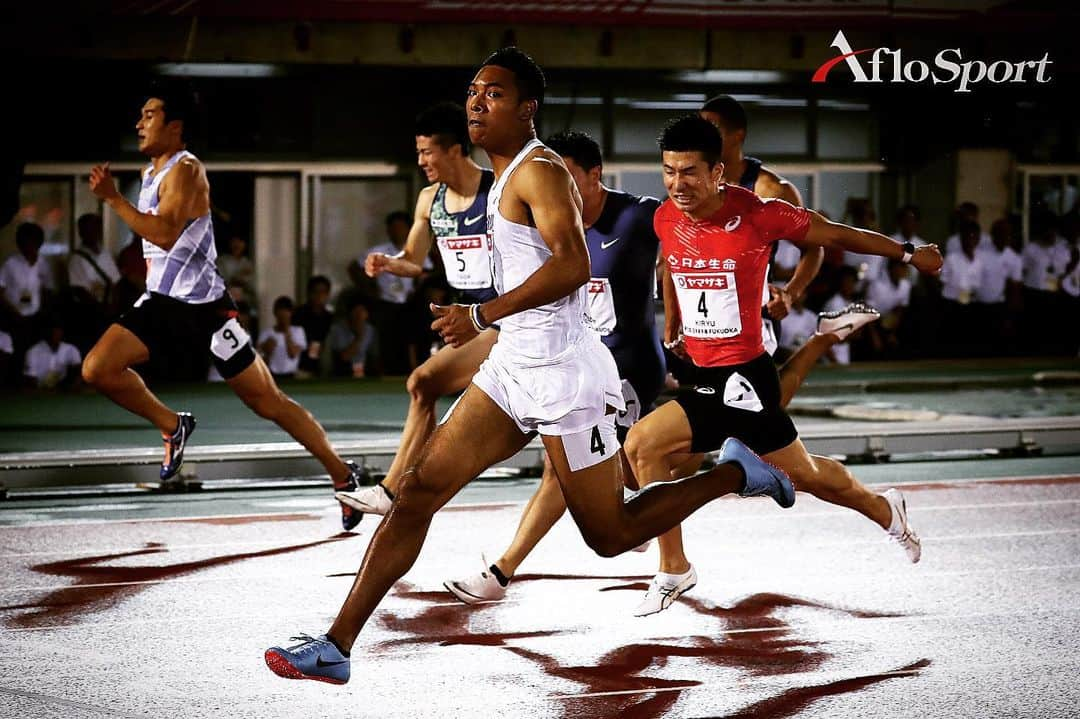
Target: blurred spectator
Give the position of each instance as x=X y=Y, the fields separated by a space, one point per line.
x=1070 y=283
x=392 y=316
x=24 y=278
x=999 y=292
x=965 y=213
x=315 y=316
x=282 y=344
x=7 y=349
x=235 y=266
x=92 y=274
x=52 y=362
x=132 y=283
x=797 y=327
x=889 y=295
x=1045 y=260
x=352 y=341
x=960 y=276
x=845 y=295
x=784 y=261
x=860 y=213
x=908 y=218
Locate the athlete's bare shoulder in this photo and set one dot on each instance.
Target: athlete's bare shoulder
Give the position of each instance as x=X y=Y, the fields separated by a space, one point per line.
x=770 y=185
x=424 y=198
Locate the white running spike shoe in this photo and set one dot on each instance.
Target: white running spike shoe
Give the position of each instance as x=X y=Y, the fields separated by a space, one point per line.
x=664 y=590
x=369 y=500
x=480 y=587
x=901 y=532
x=843 y=322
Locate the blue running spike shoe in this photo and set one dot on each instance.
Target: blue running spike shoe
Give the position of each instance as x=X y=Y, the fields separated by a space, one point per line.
x=313 y=658
x=761 y=477
x=174 y=445
x=350 y=516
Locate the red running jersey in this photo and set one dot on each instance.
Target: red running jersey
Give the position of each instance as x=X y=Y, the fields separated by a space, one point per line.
x=718 y=267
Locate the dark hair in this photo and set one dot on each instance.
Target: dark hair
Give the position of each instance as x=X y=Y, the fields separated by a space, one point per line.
x=398 y=215
x=528 y=76
x=848 y=271
x=318 y=280
x=29 y=232
x=446 y=124
x=84 y=222
x=913 y=209
x=179 y=102
x=577 y=146
x=283 y=303
x=730 y=110
x=692 y=133
x=969 y=228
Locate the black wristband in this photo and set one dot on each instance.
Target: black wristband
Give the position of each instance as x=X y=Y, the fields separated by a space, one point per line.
x=909 y=251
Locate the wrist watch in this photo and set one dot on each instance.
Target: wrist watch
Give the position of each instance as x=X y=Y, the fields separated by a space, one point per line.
x=909 y=251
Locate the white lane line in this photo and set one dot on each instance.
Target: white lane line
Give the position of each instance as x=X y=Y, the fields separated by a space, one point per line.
x=162 y=549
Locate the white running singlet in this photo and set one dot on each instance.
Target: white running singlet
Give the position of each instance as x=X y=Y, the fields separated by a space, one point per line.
x=539 y=335
x=188 y=271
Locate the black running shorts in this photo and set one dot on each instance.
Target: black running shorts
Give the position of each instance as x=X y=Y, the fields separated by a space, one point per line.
x=741 y=401
x=169 y=326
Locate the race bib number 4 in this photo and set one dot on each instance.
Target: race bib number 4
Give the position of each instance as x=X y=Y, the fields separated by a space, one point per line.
x=466 y=261
x=229 y=340
x=601 y=307
x=709 y=304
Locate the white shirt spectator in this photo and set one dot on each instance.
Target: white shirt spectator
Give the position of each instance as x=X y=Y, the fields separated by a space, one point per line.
x=240 y=268
x=1070 y=283
x=47 y=367
x=1043 y=266
x=960 y=275
x=797 y=328
x=22 y=283
x=885 y=297
x=842 y=351
x=875 y=267
x=953 y=247
x=787 y=255
x=391 y=287
x=81 y=273
x=998 y=268
x=6 y=345
x=279 y=361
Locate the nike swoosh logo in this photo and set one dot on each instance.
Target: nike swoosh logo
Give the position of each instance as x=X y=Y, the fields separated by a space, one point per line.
x=605 y=245
x=473 y=220
x=320 y=663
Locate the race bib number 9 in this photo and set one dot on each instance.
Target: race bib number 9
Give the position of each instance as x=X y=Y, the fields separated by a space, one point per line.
x=600 y=314
x=466 y=261
x=228 y=340
x=709 y=304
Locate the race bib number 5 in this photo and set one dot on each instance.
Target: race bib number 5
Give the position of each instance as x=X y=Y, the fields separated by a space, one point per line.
x=709 y=304
x=466 y=261
x=229 y=340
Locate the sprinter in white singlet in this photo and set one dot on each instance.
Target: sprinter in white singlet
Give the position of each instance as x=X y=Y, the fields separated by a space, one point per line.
x=185 y=308
x=547 y=374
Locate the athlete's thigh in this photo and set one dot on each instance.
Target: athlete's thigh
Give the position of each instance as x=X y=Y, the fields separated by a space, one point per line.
x=253 y=381
x=476 y=435
x=594 y=495
x=666 y=431
x=118 y=347
x=451 y=368
x=794 y=460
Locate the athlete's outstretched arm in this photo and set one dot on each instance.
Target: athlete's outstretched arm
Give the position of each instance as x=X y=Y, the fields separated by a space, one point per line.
x=548 y=190
x=826 y=233
x=410 y=261
x=179 y=200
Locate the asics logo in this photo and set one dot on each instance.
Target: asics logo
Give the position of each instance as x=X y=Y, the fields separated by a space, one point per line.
x=605 y=245
x=473 y=220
